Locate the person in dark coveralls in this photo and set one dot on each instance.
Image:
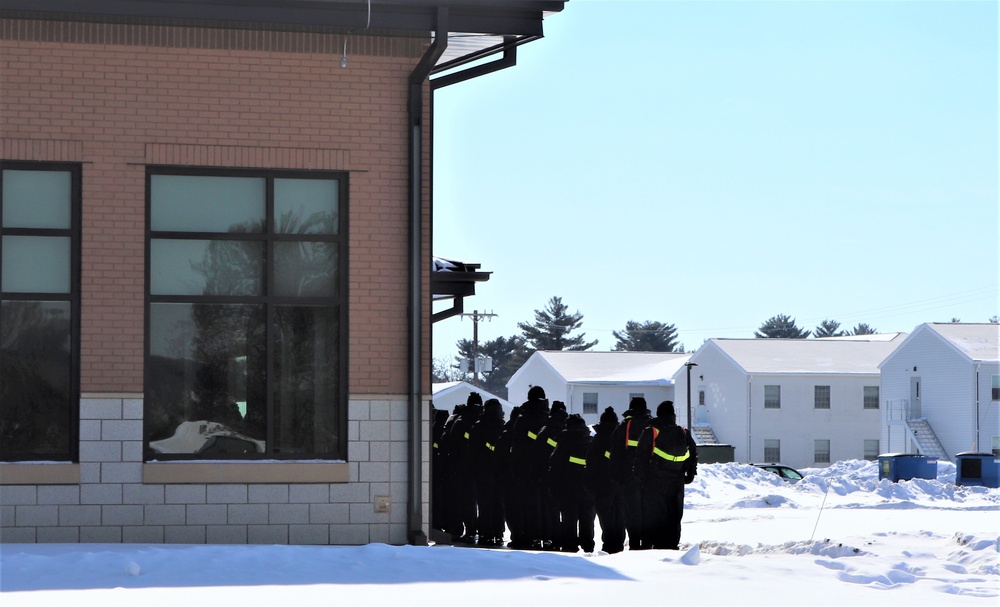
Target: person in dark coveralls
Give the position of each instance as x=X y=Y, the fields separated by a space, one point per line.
x=523 y=449
x=505 y=478
x=463 y=494
x=607 y=495
x=483 y=439
x=623 y=445
x=546 y=443
x=567 y=468
x=666 y=460
x=439 y=469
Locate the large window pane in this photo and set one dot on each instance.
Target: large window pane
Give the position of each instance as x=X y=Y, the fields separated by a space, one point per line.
x=35 y=364
x=36 y=264
x=37 y=199
x=306 y=380
x=305 y=269
x=198 y=203
x=206 y=267
x=205 y=386
x=306 y=206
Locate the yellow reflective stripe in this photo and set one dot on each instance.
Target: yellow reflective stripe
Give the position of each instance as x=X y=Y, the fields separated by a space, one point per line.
x=671 y=458
x=632 y=443
x=490 y=447
x=532 y=435
x=552 y=443
x=607 y=454
x=466 y=435
x=435 y=445
x=577 y=460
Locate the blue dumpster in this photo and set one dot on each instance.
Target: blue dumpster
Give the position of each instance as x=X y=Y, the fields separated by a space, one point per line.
x=905 y=466
x=982 y=469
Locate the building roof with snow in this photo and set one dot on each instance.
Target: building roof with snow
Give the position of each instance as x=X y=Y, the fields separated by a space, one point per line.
x=856 y=354
x=637 y=368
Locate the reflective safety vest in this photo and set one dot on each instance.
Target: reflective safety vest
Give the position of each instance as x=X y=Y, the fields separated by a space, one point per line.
x=664 y=454
x=629 y=441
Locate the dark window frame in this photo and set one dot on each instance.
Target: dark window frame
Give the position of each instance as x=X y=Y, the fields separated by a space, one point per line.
x=74 y=233
x=269 y=237
x=819 y=401
x=867 y=402
x=775 y=401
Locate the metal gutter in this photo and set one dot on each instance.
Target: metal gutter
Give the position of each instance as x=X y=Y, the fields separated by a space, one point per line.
x=415 y=113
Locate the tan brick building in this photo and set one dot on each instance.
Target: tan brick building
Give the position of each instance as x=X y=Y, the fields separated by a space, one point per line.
x=215 y=226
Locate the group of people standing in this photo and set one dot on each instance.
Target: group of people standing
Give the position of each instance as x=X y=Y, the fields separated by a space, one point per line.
x=546 y=476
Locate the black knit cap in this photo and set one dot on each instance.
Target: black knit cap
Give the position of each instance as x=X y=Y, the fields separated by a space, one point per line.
x=666 y=409
x=637 y=403
x=575 y=422
x=558 y=405
x=609 y=417
x=493 y=407
x=536 y=393
x=475 y=398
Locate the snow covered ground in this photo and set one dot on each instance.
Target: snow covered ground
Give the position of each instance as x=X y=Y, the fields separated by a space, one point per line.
x=839 y=537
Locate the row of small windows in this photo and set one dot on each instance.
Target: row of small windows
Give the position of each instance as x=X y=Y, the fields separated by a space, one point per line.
x=772 y=398
x=245 y=310
x=821 y=450
x=821 y=397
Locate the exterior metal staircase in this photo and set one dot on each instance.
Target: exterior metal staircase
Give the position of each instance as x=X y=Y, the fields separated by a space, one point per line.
x=703 y=435
x=927 y=442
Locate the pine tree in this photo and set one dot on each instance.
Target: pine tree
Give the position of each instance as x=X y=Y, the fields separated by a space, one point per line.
x=863 y=329
x=507 y=355
x=781 y=326
x=828 y=328
x=648 y=336
x=552 y=327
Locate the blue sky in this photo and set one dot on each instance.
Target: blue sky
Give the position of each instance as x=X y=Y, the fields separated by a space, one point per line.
x=713 y=164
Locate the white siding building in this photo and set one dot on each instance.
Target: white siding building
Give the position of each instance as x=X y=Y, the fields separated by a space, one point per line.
x=449 y=394
x=941 y=391
x=589 y=382
x=805 y=402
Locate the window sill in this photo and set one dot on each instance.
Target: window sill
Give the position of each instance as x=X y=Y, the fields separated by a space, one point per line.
x=245 y=472
x=39 y=473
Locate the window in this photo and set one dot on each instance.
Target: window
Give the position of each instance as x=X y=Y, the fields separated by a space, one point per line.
x=772 y=450
x=871 y=397
x=39 y=310
x=821 y=397
x=701 y=397
x=821 y=451
x=995 y=392
x=871 y=449
x=589 y=402
x=772 y=397
x=246 y=315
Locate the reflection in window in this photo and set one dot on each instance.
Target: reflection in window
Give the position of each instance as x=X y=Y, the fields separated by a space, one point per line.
x=871 y=397
x=772 y=450
x=821 y=397
x=245 y=335
x=39 y=303
x=772 y=397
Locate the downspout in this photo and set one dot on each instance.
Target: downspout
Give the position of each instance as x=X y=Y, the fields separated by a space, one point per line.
x=975 y=447
x=749 y=412
x=415 y=115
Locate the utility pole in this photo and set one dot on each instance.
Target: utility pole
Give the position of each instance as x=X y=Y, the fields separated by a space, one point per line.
x=476 y=317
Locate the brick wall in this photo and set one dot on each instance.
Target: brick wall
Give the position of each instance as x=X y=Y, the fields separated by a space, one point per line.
x=120 y=97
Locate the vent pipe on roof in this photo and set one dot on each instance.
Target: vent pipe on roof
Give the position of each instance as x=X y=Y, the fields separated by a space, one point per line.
x=415 y=109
